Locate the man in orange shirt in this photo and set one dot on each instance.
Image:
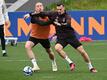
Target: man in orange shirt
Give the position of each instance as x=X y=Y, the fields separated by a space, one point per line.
x=40 y=35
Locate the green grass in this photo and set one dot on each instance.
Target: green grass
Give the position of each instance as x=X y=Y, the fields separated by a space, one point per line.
x=82 y=4
x=11 y=67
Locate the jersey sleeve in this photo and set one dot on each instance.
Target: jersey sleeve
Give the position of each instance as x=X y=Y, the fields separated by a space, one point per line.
x=5 y=12
x=41 y=22
x=42 y=14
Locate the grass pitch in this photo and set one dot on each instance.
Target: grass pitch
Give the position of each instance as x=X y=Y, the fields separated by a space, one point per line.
x=11 y=67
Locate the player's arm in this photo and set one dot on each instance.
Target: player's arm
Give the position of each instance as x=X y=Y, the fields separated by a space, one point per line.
x=29 y=15
x=43 y=14
x=41 y=22
x=5 y=13
x=34 y=14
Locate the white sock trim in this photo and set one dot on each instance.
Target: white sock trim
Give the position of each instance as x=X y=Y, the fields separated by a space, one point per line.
x=68 y=60
x=34 y=62
x=89 y=66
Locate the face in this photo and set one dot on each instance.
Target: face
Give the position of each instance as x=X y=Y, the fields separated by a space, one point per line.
x=39 y=7
x=60 y=9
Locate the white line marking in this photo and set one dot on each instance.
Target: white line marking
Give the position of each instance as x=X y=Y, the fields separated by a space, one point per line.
x=14 y=60
x=43 y=60
x=99 y=58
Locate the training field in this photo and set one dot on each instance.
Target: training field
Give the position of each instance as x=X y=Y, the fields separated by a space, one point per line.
x=11 y=67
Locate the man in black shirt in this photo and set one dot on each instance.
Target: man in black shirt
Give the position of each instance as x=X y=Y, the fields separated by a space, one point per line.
x=65 y=35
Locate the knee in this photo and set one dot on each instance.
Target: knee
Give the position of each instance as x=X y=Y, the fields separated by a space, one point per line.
x=58 y=48
x=27 y=46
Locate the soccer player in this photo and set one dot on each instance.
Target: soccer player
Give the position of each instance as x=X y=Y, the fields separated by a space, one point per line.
x=65 y=35
x=4 y=21
x=40 y=35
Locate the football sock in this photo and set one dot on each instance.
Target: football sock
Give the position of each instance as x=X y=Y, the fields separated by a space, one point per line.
x=53 y=61
x=89 y=65
x=68 y=60
x=34 y=62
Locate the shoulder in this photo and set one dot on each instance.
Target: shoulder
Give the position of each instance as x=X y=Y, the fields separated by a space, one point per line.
x=68 y=16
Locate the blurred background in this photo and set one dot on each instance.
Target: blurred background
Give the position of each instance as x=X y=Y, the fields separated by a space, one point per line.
x=28 y=5
x=76 y=8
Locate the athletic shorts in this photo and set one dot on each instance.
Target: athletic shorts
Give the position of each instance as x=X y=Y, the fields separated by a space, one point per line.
x=72 y=40
x=44 y=42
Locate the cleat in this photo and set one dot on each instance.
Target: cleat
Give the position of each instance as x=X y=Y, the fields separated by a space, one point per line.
x=35 y=69
x=72 y=66
x=4 y=54
x=93 y=70
x=54 y=66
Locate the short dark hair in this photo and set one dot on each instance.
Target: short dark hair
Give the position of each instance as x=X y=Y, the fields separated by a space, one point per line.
x=59 y=4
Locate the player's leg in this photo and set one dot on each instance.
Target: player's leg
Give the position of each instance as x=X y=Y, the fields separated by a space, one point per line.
x=2 y=40
x=73 y=41
x=52 y=57
x=29 y=45
x=46 y=44
x=50 y=53
x=59 y=48
x=86 y=58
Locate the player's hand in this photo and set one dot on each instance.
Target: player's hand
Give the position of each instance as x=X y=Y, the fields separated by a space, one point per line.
x=7 y=23
x=26 y=16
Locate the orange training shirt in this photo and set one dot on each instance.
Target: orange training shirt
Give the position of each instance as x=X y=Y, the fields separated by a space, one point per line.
x=41 y=32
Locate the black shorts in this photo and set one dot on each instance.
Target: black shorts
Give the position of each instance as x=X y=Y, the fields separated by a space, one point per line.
x=72 y=40
x=44 y=42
